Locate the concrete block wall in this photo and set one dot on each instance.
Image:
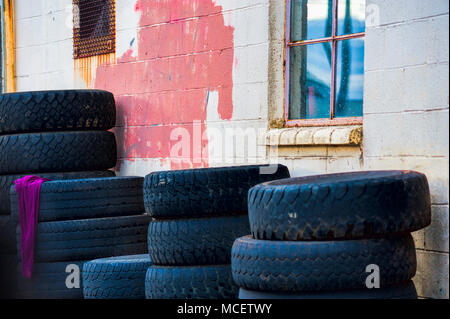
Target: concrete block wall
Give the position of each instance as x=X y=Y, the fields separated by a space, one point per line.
x=179 y=66
x=187 y=73
x=406 y=115
x=43 y=38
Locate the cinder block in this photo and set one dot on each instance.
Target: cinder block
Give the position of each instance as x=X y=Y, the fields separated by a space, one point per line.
x=57 y=56
x=30 y=32
x=308 y=166
x=145 y=166
x=432 y=274
x=412 y=133
x=250 y=101
x=56 y=5
x=251 y=64
x=399 y=11
x=406 y=89
x=231 y=142
x=126 y=15
x=26 y=65
x=406 y=44
x=29 y=9
x=344 y=151
x=57 y=26
x=438 y=43
x=418 y=9
x=344 y=164
x=127 y=40
x=435 y=237
x=374 y=49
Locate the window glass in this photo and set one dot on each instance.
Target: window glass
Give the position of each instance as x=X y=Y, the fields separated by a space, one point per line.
x=310 y=70
x=351 y=16
x=350 y=78
x=311 y=19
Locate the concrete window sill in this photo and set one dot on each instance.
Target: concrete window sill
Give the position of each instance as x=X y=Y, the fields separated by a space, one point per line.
x=329 y=135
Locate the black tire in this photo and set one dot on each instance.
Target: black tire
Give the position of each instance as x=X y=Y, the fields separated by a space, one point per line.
x=116 y=278
x=205 y=241
x=403 y=291
x=204 y=192
x=340 y=206
x=6 y=181
x=57 y=152
x=194 y=282
x=67 y=110
x=86 y=198
x=288 y=266
x=89 y=239
x=8 y=243
x=49 y=282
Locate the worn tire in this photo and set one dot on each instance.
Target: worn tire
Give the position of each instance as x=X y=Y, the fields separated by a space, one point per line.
x=8 y=243
x=403 y=291
x=6 y=181
x=89 y=239
x=288 y=266
x=86 y=198
x=340 y=206
x=203 y=192
x=205 y=241
x=57 y=152
x=194 y=282
x=66 y=110
x=48 y=282
x=115 y=278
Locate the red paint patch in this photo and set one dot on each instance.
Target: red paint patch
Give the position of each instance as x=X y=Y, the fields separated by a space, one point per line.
x=166 y=86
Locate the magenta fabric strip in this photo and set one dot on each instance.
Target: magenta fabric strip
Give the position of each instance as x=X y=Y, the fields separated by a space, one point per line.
x=28 y=189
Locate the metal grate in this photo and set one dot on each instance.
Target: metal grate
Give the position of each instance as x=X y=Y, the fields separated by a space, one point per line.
x=94 y=31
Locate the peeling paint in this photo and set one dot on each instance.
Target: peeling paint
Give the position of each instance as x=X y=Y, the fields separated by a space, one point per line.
x=185 y=51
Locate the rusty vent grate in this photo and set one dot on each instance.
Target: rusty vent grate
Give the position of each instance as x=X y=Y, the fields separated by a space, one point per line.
x=94 y=31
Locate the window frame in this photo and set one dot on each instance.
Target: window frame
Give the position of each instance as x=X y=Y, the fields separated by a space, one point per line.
x=334 y=39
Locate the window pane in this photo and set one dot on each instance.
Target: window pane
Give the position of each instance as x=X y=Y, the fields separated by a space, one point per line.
x=311 y=19
x=350 y=78
x=310 y=81
x=352 y=16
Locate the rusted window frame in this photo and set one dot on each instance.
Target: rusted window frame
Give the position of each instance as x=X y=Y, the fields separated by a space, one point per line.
x=84 y=48
x=334 y=39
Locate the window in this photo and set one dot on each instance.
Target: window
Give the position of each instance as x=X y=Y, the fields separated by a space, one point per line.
x=94 y=31
x=324 y=62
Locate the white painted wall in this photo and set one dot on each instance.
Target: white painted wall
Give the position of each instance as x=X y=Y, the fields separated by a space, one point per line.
x=405 y=106
x=406 y=115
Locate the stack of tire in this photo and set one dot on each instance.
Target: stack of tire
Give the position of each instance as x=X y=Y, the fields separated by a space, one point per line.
x=54 y=134
x=333 y=236
x=81 y=220
x=198 y=215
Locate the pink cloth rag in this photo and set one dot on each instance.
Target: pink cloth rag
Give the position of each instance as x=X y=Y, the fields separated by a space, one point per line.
x=28 y=189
